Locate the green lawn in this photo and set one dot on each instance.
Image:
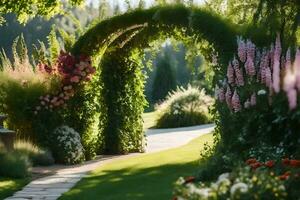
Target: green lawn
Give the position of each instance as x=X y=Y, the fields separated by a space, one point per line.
x=9 y=186
x=144 y=177
x=149 y=119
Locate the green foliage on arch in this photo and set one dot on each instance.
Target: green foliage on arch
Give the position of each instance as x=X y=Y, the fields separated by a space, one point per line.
x=115 y=44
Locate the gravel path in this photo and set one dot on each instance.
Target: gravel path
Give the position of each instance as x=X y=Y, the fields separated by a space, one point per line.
x=60 y=179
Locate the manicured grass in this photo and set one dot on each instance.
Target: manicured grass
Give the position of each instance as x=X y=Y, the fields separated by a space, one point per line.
x=147 y=177
x=9 y=186
x=149 y=120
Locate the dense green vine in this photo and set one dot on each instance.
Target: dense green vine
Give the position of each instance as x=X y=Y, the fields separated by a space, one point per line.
x=120 y=82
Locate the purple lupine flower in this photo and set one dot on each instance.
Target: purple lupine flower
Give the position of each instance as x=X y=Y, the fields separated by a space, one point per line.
x=277 y=50
x=221 y=94
x=230 y=74
x=297 y=68
x=292 y=98
x=271 y=56
x=250 y=50
x=250 y=68
x=289 y=81
x=282 y=62
x=236 y=105
x=238 y=73
x=276 y=71
x=268 y=77
x=288 y=62
x=242 y=49
x=228 y=96
x=253 y=99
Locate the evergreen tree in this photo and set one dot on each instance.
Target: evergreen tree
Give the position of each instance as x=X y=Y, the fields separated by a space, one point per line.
x=164 y=80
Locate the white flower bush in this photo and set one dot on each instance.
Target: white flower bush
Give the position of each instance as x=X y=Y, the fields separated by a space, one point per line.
x=68 y=147
x=243 y=184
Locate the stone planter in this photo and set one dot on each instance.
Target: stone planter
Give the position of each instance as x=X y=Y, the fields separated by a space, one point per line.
x=6 y=136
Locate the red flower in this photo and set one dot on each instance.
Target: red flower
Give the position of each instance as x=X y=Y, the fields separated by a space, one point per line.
x=270 y=163
x=251 y=161
x=286 y=161
x=295 y=163
x=190 y=179
x=256 y=165
x=285 y=176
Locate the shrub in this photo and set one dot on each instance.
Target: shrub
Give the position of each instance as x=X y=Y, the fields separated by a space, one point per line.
x=35 y=154
x=184 y=107
x=14 y=165
x=66 y=146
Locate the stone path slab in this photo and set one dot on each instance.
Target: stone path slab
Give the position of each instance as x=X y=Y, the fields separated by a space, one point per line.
x=63 y=178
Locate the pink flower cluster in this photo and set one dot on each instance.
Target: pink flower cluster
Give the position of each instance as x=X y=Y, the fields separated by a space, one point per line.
x=72 y=71
x=265 y=68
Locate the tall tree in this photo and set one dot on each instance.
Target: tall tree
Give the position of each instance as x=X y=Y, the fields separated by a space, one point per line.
x=164 y=80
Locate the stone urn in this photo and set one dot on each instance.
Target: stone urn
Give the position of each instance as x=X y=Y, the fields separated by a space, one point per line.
x=6 y=136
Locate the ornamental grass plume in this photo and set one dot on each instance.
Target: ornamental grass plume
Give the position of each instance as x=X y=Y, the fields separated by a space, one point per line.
x=236 y=105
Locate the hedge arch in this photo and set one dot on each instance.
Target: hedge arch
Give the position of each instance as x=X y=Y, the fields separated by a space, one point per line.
x=113 y=104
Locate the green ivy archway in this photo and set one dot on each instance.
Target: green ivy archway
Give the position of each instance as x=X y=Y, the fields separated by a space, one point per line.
x=109 y=110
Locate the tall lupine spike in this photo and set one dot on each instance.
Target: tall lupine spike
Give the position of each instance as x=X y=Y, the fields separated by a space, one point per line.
x=288 y=62
x=260 y=67
x=228 y=96
x=250 y=68
x=253 y=99
x=282 y=62
x=238 y=73
x=292 y=98
x=297 y=69
x=258 y=57
x=230 y=74
x=242 y=49
x=276 y=69
x=277 y=50
x=236 y=105
x=250 y=50
x=271 y=56
x=289 y=80
x=221 y=94
x=268 y=75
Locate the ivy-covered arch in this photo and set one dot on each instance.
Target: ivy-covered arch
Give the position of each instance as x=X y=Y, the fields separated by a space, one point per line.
x=113 y=103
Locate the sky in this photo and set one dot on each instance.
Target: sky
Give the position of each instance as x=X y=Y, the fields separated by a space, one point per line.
x=134 y=2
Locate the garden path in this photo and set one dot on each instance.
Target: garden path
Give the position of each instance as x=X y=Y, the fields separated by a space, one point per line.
x=59 y=179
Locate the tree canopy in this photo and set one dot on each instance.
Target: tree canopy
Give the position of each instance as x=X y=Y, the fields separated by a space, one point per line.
x=26 y=9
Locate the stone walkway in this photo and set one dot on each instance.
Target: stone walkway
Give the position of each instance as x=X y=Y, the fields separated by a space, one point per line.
x=60 y=179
